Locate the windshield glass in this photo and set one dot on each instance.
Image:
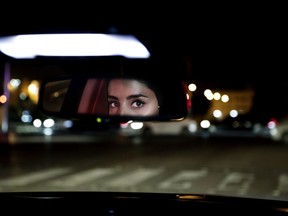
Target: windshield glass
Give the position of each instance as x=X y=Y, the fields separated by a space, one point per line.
x=233 y=140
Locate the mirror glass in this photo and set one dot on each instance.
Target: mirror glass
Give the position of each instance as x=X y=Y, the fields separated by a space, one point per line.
x=54 y=94
x=114 y=97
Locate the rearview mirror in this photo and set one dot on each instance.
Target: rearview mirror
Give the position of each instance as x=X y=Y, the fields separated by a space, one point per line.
x=113 y=98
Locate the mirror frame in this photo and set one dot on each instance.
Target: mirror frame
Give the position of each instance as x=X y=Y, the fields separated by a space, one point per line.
x=76 y=86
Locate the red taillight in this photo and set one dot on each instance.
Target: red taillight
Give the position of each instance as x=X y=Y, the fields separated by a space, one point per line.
x=272 y=123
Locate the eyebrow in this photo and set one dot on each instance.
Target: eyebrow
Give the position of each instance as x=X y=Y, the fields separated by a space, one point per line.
x=128 y=97
x=113 y=97
x=135 y=96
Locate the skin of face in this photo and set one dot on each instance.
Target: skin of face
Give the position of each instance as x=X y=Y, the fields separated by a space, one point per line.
x=131 y=97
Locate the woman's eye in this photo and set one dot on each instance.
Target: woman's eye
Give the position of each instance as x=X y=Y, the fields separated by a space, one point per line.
x=138 y=104
x=113 y=104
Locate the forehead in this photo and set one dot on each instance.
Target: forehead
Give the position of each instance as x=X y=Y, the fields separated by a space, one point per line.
x=125 y=83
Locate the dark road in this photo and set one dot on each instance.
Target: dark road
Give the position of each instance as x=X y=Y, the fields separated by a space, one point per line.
x=241 y=167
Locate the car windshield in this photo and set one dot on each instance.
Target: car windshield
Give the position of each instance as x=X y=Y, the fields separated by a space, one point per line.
x=232 y=140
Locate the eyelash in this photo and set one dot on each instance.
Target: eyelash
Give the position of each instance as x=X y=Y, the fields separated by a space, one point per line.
x=142 y=103
x=112 y=104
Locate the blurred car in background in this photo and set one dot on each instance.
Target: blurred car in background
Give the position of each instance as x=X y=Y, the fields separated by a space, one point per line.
x=188 y=126
x=241 y=125
x=279 y=130
x=32 y=122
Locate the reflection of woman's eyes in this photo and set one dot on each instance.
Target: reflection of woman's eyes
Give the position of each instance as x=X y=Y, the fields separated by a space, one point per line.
x=113 y=104
x=137 y=104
